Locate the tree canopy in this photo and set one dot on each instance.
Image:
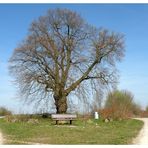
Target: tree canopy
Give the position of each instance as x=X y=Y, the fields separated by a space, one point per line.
x=63 y=54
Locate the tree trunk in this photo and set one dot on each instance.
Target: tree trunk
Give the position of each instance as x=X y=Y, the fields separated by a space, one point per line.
x=60 y=103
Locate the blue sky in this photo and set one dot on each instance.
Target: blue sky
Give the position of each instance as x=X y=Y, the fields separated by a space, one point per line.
x=129 y=19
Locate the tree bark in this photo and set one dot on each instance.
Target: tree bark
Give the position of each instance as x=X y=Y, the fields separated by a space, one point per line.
x=60 y=103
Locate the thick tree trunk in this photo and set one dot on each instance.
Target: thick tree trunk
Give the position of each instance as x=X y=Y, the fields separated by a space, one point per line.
x=60 y=103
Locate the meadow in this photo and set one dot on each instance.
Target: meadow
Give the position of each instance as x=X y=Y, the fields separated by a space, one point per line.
x=80 y=132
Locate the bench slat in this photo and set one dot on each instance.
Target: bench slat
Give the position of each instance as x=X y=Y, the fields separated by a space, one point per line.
x=63 y=119
x=63 y=116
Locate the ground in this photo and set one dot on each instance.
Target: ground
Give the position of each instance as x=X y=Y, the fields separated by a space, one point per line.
x=142 y=138
x=1 y=138
x=81 y=132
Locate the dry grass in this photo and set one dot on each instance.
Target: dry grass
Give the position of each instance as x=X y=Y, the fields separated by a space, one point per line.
x=82 y=132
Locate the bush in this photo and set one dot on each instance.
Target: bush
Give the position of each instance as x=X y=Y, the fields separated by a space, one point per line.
x=136 y=109
x=106 y=113
x=17 y=118
x=144 y=114
x=4 y=111
x=46 y=115
x=146 y=109
x=119 y=105
x=22 y=118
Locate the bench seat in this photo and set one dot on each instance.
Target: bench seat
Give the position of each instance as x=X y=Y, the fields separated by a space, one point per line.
x=63 y=117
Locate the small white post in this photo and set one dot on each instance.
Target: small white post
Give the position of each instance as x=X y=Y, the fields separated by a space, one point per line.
x=96 y=115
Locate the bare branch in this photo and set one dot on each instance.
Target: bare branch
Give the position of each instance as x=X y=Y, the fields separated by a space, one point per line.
x=63 y=54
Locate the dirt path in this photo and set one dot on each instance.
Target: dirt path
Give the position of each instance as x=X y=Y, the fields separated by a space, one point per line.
x=1 y=138
x=142 y=138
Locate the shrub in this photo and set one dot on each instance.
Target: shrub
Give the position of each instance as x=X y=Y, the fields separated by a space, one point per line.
x=18 y=118
x=4 y=111
x=118 y=105
x=106 y=113
x=46 y=115
x=30 y=119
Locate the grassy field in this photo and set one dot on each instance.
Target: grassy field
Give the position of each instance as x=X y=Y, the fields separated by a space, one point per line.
x=89 y=132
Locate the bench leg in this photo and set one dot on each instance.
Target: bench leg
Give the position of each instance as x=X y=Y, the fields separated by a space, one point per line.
x=70 y=121
x=56 y=121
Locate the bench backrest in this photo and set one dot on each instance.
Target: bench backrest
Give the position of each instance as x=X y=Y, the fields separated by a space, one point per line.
x=63 y=116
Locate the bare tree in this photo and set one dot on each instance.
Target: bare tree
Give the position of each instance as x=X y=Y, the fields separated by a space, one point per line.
x=97 y=101
x=64 y=54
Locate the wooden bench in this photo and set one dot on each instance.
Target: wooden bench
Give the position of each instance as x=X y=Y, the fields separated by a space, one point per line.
x=63 y=117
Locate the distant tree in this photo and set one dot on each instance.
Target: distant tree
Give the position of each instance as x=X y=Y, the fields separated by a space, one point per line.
x=146 y=109
x=64 y=54
x=136 y=109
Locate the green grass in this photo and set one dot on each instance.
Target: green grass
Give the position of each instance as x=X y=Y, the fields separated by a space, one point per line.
x=116 y=132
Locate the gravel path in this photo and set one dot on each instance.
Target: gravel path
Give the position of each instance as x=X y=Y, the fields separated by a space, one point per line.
x=142 y=138
x=1 y=138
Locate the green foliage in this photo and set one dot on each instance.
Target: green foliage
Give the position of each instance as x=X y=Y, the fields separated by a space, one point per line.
x=4 y=111
x=92 y=132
